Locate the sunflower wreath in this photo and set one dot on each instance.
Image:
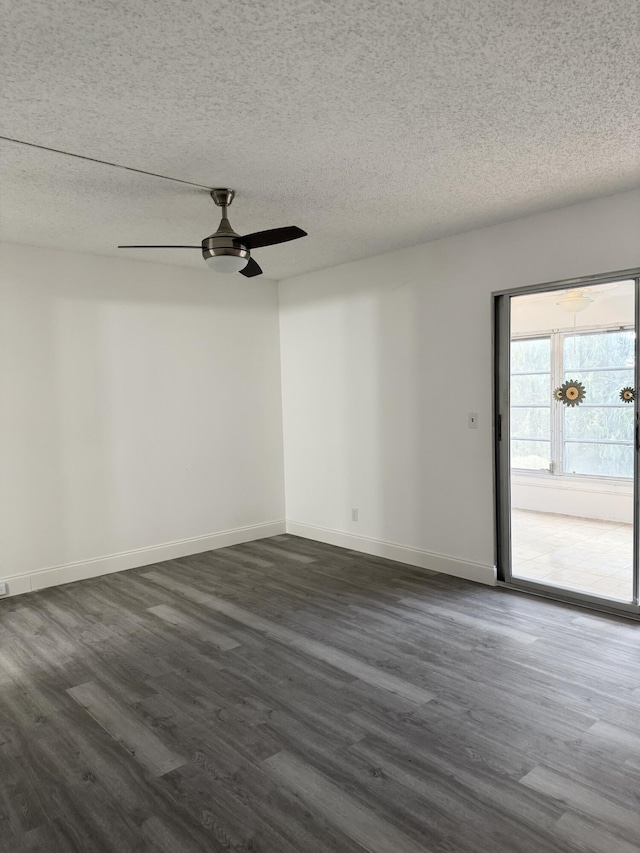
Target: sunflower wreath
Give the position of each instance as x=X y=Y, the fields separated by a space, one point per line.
x=570 y=393
x=628 y=394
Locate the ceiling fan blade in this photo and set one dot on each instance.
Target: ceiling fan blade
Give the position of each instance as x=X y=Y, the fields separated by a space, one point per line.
x=160 y=247
x=272 y=236
x=251 y=269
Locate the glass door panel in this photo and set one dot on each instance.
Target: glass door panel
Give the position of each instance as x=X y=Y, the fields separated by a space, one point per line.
x=571 y=439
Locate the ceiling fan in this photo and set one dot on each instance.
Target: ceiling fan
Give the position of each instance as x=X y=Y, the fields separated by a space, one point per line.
x=225 y=251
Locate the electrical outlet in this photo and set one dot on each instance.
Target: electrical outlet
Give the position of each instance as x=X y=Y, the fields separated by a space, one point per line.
x=354 y=513
x=4 y=590
x=473 y=420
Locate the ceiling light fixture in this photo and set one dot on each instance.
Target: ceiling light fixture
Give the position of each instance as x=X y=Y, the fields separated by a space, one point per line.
x=226 y=260
x=575 y=301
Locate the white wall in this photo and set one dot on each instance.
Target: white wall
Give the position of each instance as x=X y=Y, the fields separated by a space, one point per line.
x=141 y=418
x=584 y=497
x=383 y=358
x=140 y=405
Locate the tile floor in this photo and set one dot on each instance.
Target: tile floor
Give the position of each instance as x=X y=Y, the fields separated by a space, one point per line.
x=577 y=553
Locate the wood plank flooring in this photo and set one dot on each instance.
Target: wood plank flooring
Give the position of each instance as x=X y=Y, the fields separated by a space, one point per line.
x=286 y=696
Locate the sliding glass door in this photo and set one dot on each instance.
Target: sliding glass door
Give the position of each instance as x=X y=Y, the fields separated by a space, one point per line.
x=567 y=439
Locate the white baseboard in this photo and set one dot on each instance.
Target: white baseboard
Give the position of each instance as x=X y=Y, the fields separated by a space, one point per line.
x=412 y=556
x=69 y=572
x=55 y=575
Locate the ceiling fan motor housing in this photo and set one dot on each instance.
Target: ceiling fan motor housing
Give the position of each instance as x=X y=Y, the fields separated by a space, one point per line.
x=224 y=244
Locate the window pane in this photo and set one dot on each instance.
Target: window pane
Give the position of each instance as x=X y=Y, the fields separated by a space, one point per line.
x=531 y=354
x=595 y=422
x=531 y=423
x=599 y=349
x=534 y=455
x=530 y=390
x=603 y=386
x=612 y=460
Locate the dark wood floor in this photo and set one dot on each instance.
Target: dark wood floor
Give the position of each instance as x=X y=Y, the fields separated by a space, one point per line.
x=292 y=697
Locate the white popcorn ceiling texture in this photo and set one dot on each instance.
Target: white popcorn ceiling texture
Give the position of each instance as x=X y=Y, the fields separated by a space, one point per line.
x=372 y=125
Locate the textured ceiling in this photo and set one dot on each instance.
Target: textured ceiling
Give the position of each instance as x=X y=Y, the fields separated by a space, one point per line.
x=372 y=125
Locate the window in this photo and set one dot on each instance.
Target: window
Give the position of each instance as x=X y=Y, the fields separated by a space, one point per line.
x=531 y=403
x=595 y=438
x=598 y=435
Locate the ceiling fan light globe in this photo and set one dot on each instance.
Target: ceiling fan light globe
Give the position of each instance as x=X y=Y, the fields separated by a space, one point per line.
x=226 y=260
